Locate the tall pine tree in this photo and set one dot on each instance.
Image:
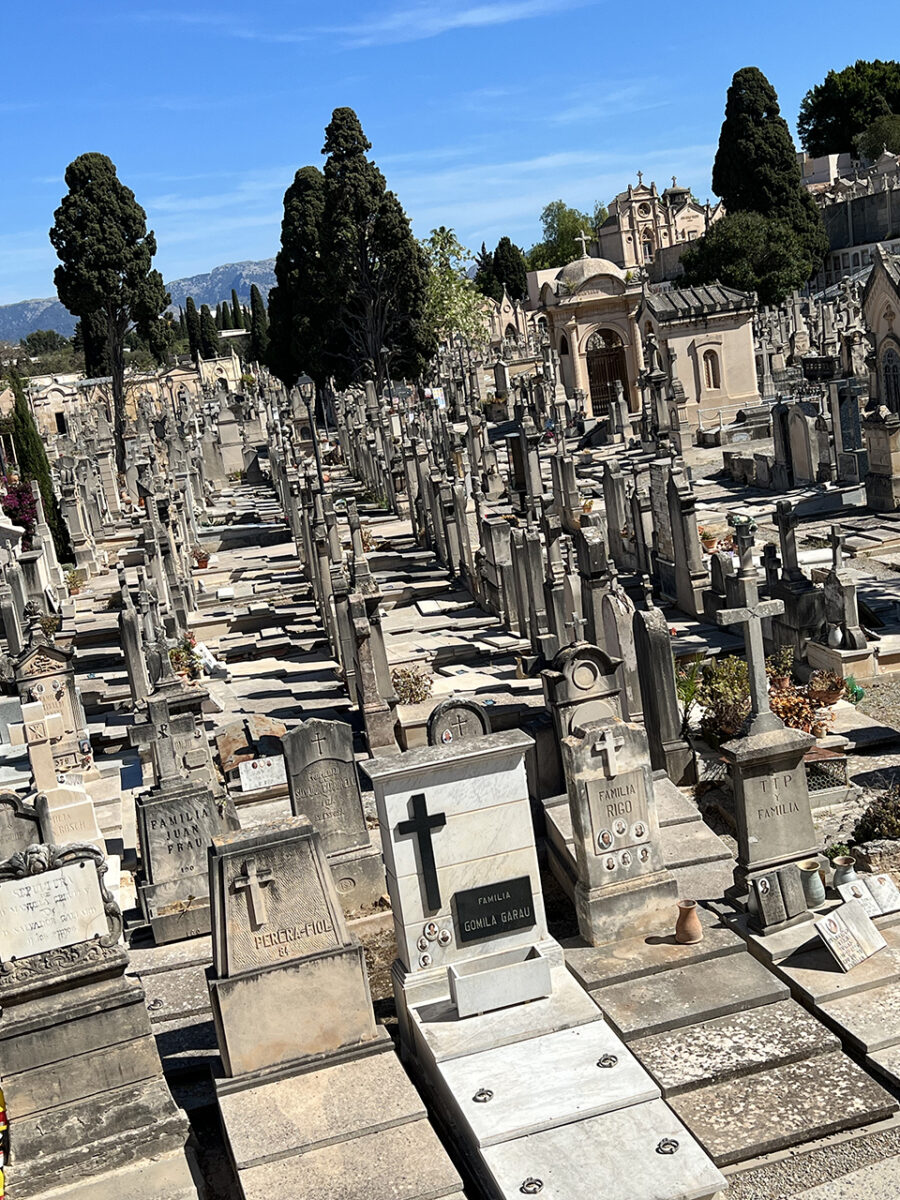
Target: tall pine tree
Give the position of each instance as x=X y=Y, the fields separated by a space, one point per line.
x=209 y=335
x=375 y=271
x=296 y=303
x=259 y=327
x=192 y=320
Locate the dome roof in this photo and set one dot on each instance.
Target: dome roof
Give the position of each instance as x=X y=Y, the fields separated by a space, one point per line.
x=577 y=272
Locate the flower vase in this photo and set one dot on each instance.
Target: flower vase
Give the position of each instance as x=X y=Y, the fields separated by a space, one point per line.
x=688 y=930
x=813 y=884
x=844 y=870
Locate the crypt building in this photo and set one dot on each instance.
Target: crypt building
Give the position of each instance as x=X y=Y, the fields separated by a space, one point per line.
x=881 y=309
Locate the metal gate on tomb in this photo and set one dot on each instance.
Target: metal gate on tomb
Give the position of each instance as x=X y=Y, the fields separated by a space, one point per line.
x=605 y=364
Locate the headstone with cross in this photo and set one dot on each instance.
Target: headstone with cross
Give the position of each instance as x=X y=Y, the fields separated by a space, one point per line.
x=622 y=884
x=841 y=604
x=281 y=947
x=751 y=615
x=164 y=735
x=324 y=788
x=786 y=520
x=454 y=720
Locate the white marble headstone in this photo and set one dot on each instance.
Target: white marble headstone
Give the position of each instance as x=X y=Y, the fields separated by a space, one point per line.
x=51 y=910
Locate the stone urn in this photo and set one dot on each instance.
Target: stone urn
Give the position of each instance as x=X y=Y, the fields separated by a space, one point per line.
x=688 y=930
x=844 y=869
x=813 y=884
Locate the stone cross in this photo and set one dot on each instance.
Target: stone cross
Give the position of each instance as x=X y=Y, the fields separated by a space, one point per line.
x=421 y=825
x=576 y=628
x=38 y=731
x=584 y=239
x=608 y=743
x=640 y=176
x=647 y=588
x=837 y=539
x=158 y=732
x=253 y=882
x=750 y=615
x=786 y=520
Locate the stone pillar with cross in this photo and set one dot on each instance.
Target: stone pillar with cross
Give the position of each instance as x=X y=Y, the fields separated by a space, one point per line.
x=772 y=809
x=842 y=613
x=161 y=734
x=803 y=613
x=623 y=888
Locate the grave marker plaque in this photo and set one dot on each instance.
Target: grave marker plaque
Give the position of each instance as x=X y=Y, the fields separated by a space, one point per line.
x=494 y=909
x=323 y=784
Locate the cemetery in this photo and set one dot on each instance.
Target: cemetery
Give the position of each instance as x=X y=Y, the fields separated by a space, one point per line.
x=474 y=773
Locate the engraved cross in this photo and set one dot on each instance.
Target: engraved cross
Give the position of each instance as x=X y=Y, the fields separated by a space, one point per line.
x=421 y=825
x=253 y=881
x=608 y=743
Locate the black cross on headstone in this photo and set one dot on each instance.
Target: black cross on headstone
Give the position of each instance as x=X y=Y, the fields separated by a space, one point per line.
x=421 y=824
x=460 y=723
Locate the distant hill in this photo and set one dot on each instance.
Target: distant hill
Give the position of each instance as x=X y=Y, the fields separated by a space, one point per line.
x=18 y=320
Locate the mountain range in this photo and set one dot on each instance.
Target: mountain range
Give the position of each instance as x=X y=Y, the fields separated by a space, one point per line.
x=24 y=317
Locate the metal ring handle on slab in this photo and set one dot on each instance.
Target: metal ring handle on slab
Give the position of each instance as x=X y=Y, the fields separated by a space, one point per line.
x=667 y=1146
x=531 y=1186
x=607 y=1060
x=483 y=1095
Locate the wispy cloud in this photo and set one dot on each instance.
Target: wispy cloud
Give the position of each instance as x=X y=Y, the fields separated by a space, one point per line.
x=223 y=24
x=431 y=18
x=593 y=104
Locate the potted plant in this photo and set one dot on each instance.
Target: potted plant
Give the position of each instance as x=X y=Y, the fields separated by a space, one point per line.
x=707 y=538
x=73 y=582
x=200 y=555
x=825 y=687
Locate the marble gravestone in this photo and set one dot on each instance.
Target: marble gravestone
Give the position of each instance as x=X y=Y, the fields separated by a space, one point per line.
x=623 y=888
x=81 y=1073
x=485 y=1003
x=313 y=1099
x=324 y=788
x=457 y=720
x=20 y=825
x=281 y=951
x=176 y=822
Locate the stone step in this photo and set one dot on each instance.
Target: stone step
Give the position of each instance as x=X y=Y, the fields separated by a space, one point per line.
x=688 y=995
x=166 y=1177
x=615 y=1155
x=691 y=844
x=814 y=976
x=869 y=1020
x=681 y=1060
x=790 y=1104
x=672 y=805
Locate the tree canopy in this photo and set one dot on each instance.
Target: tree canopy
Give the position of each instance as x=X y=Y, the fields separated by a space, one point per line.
x=453 y=303
x=560 y=226
x=210 y=347
x=835 y=112
x=259 y=327
x=505 y=267
x=31 y=458
x=192 y=320
x=106 y=254
x=757 y=176
x=883 y=134
x=44 y=341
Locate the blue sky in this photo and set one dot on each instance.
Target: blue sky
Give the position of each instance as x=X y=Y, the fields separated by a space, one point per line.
x=479 y=111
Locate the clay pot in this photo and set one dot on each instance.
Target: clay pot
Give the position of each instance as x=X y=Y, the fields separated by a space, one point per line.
x=709 y=544
x=202 y=563
x=688 y=930
x=813 y=884
x=844 y=869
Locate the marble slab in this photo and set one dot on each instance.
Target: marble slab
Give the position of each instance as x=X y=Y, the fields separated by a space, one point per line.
x=743 y=1042
x=815 y=976
x=51 y=910
x=790 y=1104
x=688 y=995
x=516 y=1090
x=614 y=1155
x=869 y=1020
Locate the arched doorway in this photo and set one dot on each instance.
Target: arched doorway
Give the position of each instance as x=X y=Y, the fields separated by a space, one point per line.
x=605 y=364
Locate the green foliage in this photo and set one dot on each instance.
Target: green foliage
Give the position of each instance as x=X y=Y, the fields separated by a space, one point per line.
x=453 y=302
x=724 y=693
x=835 y=112
x=560 y=226
x=854 y=692
x=209 y=335
x=485 y=279
x=106 y=253
x=296 y=303
x=223 y=316
x=192 y=320
x=780 y=665
x=44 y=341
x=92 y=339
x=33 y=465
x=881 y=819
x=237 y=311
x=509 y=268
x=837 y=850
x=259 y=327
x=753 y=253
x=883 y=134
x=375 y=273
x=687 y=687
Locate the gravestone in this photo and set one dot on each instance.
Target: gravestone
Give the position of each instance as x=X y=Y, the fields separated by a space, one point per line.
x=623 y=888
x=281 y=949
x=324 y=788
x=20 y=825
x=669 y=749
x=75 y=1039
x=453 y=721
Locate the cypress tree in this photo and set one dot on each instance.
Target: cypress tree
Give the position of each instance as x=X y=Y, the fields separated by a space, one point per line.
x=485 y=279
x=192 y=319
x=756 y=169
x=375 y=272
x=508 y=265
x=209 y=335
x=237 y=311
x=259 y=327
x=227 y=322
x=182 y=324
x=297 y=325
x=92 y=338
x=33 y=465
x=106 y=254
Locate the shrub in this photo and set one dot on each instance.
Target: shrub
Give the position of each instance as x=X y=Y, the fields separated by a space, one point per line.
x=19 y=505
x=837 y=850
x=412 y=685
x=724 y=693
x=881 y=819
